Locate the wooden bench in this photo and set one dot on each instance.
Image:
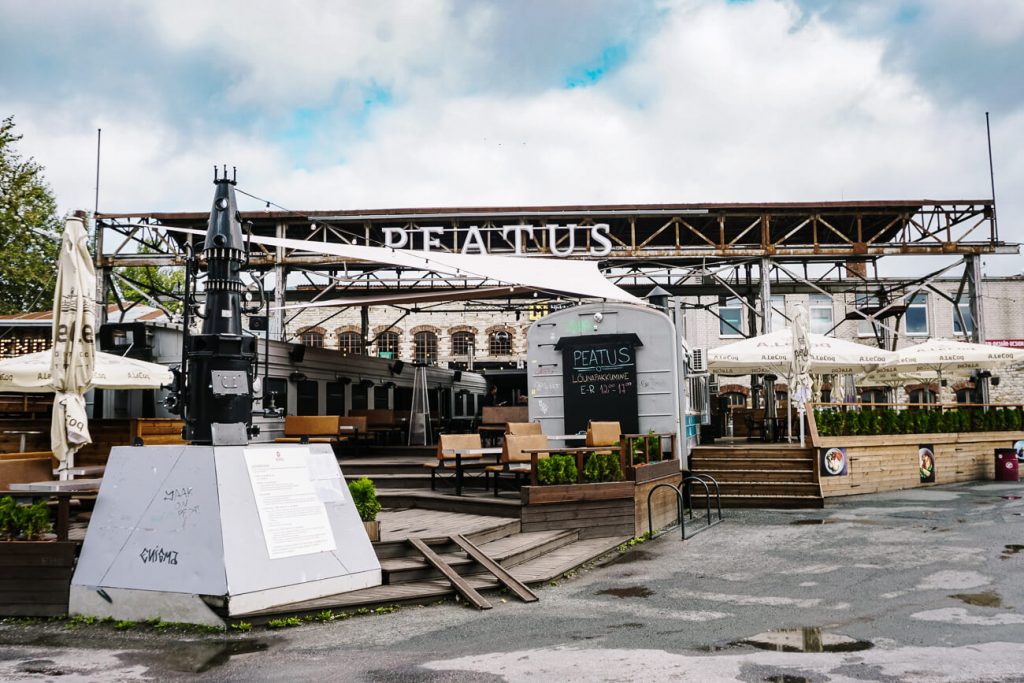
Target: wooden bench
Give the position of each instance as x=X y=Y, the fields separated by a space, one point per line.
x=156 y=431
x=17 y=468
x=311 y=429
x=494 y=420
x=354 y=430
x=382 y=423
x=517 y=459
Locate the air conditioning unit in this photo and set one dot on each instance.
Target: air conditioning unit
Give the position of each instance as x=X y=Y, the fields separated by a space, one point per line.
x=699 y=360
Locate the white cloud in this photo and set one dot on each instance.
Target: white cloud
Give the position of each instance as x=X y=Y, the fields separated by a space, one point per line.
x=749 y=102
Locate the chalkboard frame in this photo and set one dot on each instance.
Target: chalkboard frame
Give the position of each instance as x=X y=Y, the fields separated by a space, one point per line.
x=578 y=410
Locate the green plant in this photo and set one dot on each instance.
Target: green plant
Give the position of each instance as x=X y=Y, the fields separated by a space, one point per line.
x=27 y=522
x=284 y=622
x=124 y=625
x=243 y=626
x=602 y=467
x=653 y=443
x=364 y=495
x=556 y=469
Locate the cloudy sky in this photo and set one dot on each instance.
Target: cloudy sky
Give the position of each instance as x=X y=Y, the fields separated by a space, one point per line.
x=358 y=105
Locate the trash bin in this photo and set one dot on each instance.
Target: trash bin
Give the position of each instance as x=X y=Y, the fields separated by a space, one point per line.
x=1006 y=465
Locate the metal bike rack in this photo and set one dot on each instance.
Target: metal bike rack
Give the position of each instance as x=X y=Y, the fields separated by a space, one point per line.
x=705 y=479
x=679 y=508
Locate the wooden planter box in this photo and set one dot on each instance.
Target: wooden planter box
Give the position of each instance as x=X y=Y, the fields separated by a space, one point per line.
x=372 y=530
x=597 y=510
x=35 y=577
x=655 y=470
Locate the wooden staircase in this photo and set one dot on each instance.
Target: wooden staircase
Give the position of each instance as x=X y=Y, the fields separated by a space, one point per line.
x=759 y=475
x=532 y=558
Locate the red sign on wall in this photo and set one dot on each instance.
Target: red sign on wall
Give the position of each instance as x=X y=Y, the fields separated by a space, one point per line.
x=1008 y=343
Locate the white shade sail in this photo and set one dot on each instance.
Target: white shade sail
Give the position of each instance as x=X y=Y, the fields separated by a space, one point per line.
x=773 y=354
x=568 y=276
x=31 y=373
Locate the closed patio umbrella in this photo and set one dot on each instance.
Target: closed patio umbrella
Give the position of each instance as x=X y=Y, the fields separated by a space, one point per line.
x=74 y=345
x=800 y=386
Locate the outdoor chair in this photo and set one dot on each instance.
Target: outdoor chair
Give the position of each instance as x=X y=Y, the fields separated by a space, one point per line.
x=514 y=460
x=604 y=434
x=448 y=464
x=523 y=428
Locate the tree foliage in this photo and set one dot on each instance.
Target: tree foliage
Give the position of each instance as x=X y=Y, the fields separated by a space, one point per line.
x=29 y=229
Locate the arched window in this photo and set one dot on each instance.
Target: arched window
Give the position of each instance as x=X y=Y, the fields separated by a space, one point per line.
x=735 y=398
x=874 y=395
x=314 y=338
x=387 y=345
x=424 y=347
x=500 y=343
x=350 y=344
x=461 y=343
x=923 y=395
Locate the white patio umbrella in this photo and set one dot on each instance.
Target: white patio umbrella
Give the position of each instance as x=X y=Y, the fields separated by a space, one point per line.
x=30 y=373
x=74 y=344
x=947 y=358
x=800 y=386
x=773 y=353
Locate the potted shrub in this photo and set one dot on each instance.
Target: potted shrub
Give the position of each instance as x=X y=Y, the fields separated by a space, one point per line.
x=36 y=571
x=556 y=469
x=364 y=495
x=601 y=467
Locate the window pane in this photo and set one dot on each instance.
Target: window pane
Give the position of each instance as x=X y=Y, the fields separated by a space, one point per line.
x=965 y=311
x=335 y=398
x=387 y=345
x=500 y=343
x=917 y=316
x=461 y=341
x=778 y=313
x=866 y=328
x=350 y=343
x=730 y=322
x=306 y=398
x=424 y=347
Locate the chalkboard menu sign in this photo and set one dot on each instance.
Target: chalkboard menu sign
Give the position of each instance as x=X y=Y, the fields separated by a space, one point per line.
x=599 y=380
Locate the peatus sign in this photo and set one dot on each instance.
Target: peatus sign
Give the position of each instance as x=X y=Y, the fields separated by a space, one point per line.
x=558 y=240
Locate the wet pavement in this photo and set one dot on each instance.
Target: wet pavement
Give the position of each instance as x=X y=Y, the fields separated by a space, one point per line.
x=922 y=585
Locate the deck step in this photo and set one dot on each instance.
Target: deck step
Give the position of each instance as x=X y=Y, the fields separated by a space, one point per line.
x=767 y=501
x=796 y=476
x=427 y=500
x=701 y=462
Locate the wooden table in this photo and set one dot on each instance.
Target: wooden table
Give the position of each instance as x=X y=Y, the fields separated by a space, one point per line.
x=458 y=453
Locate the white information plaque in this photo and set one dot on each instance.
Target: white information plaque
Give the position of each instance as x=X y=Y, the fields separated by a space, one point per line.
x=293 y=517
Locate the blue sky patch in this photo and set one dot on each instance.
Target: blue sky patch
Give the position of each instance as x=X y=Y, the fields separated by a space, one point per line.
x=588 y=74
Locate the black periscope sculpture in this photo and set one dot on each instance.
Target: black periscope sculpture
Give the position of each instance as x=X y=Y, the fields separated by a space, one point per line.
x=213 y=389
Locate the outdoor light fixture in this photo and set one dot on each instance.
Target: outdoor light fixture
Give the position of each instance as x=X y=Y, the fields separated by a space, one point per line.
x=297 y=377
x=390 y=385
x=345 y=381
x=396 y=367
x=366 y=383
x=995 y=381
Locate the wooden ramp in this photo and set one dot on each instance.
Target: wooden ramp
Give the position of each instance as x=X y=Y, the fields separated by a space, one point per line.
x=475 y=552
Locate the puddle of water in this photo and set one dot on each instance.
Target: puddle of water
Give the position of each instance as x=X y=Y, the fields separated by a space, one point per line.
x=40 y=667
x=786 y=678
x=1010 y=550
x=633 y=556
x=986 y=599
x=810 y=639
x=201 y=656
x=631 y=624
x=628 y=592
x=816 y=522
